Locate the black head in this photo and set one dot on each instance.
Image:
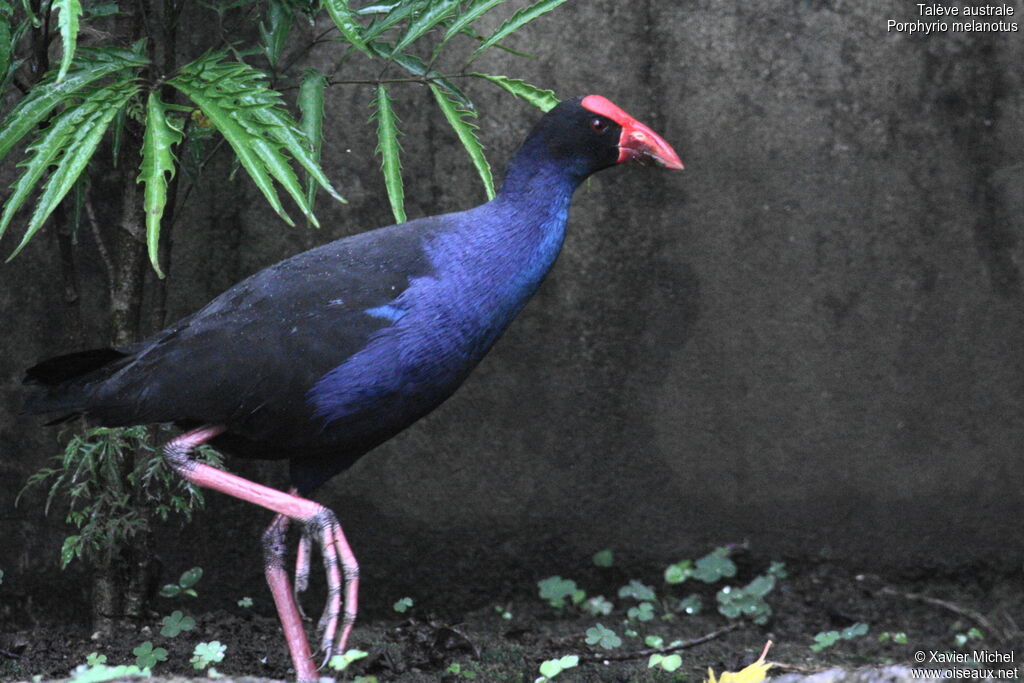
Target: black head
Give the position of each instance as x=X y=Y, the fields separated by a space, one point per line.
x=589 y=133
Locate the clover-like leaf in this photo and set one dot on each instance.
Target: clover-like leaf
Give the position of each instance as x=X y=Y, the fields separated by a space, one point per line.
x=603 y=637
x=555 y=590
x=205 y=654
x=147 y=656
x=342 y=661
x=667 y=663
x=642 y=612
x=714 y=566
x=636 y=590
x=175 y=623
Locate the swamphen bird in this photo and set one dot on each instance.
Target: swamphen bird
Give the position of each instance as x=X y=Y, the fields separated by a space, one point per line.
x=327 y=354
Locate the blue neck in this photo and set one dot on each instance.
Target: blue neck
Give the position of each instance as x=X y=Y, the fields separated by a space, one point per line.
x=501 y=251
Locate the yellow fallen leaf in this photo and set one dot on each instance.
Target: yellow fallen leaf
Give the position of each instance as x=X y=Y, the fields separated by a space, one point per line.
x=755 y=673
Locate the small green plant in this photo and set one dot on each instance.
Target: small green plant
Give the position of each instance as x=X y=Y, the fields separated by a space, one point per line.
x=654 y=641
x=342 y=661
x=402 y=605
x=503 y=611
x=597 y=606
x=147 y=656
x=106 y=509
x=827 y=639
x=557 y=591
x=679 y=572
x=206 y=654
x=747 y=601
x=245 y=602
x=972 y=634
x=98 y=673
x=95 y=659
x=175 y=623
x=185 y=584
x=603 y=637
x=714 y=566
x=604 y=558
x=691 y=604
x=456 y=669
x=638 y=591
x=711 y=568
x=667 y=663
x=552 y=667
x=900 y=638
x=642 y=612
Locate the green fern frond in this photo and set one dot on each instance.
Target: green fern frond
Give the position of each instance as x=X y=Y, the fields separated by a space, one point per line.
x=157 y=169
x=516 y=22
x=68 y=14
x=461 y=121
x=345 y=19
x=538 y=97
x=90 y=66
x=236 y=98
x=311 y=104
x=389 y=150
x=67 y=144
x=432 y=15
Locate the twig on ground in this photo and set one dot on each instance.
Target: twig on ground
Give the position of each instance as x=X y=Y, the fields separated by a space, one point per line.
x=638 y=654
x=970 y=614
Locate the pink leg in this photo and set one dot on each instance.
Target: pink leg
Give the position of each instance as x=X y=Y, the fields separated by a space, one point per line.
x=302 y=563
x=320 y=523
x=287 y=608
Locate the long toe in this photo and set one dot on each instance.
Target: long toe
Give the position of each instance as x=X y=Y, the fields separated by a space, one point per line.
x=302 y=562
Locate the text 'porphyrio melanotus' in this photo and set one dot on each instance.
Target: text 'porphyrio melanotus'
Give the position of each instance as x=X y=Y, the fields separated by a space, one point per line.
x=327 y=354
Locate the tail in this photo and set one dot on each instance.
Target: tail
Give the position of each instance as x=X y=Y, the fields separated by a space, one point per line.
x=64 y=381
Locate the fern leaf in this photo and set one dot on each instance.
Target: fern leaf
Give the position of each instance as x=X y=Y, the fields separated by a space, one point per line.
x=311 y=104
x=398 y=13
x=6 y=45
x=235 y=98
x=434 y=14
x=274 y=33
x=71 y=151
x=343 y=17
x=461 y=123
x=538 y=97
x=156 y=170
x=69 y=12
x=92 y=65
x=516 y=22
x=417 y=67
x=389 y=150
x=279 y=166
x=283 y=130
x=475 y=11
x=238 y=137
x=40 y=155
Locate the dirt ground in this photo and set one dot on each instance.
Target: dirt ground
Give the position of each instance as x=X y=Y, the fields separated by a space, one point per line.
x=508 y=639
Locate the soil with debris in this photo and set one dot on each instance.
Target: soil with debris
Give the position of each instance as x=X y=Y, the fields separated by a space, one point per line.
x=507 y=639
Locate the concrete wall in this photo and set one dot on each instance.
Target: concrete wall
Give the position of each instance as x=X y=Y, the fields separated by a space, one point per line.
x=809 y=339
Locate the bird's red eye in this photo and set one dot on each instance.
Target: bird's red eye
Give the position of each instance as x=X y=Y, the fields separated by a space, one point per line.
x=598 y=125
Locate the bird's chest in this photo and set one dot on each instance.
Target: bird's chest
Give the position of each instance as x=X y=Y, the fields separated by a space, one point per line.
x=441 y=326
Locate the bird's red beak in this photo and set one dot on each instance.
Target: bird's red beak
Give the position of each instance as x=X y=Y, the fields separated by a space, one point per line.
x=638 y=142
